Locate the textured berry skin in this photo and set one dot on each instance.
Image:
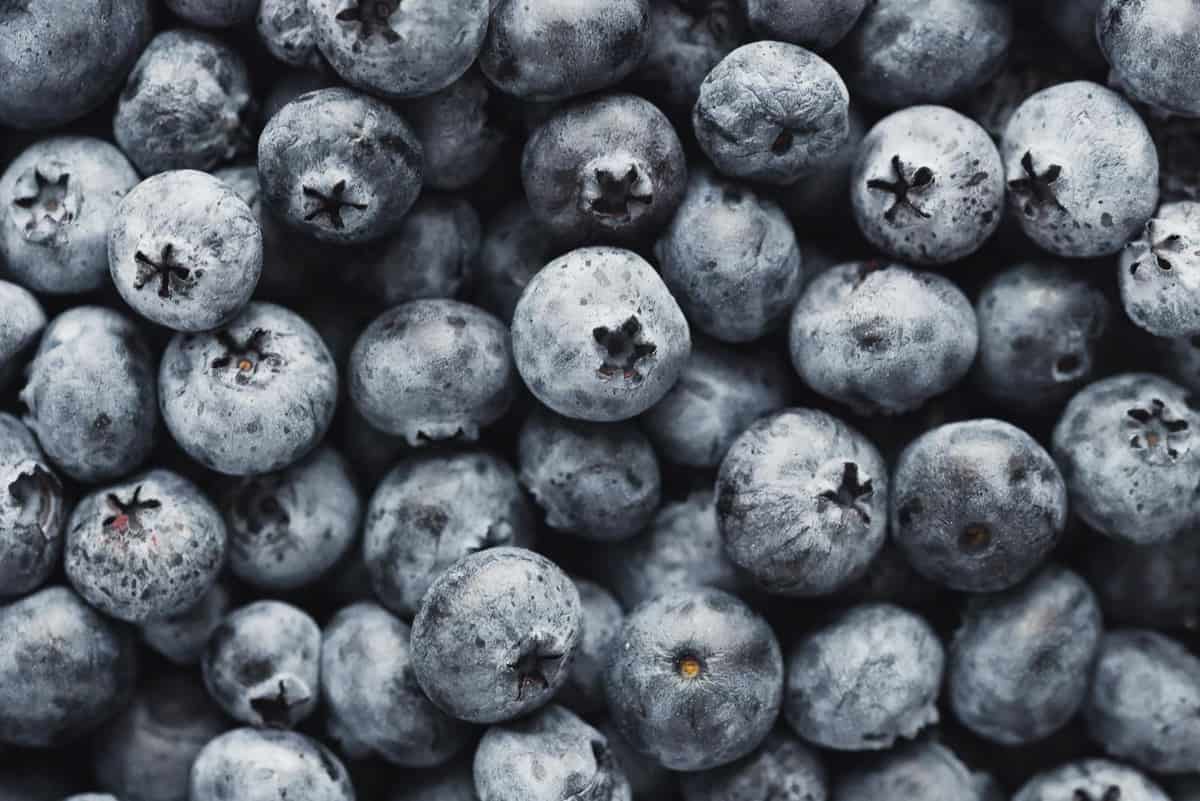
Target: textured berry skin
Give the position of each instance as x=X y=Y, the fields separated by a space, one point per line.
x=1147 y=44
x=515 y=246
x=58 y=199
x=267 y=765
x=782 y=768
x=185 y=251
x=214 y=13
x=602 y=619
x=815 y=24
x=286 y=30
x=1159 y=272
x=181 y=637
x=374 y=703
x=801 y=502
x=771 y=112
x=64 y=669
x=731 y=259
x=927 y=186
x=920 y=771
x=686 y=41
x=882 y=338
x=695 y=679
x=32 y=511
x=460 y=134
x=1124 y=446
x=1091 y=778
x=20 y=329
x=1079 y=189
x=597 y=336
x=976 y=506
x=1148 y=585
x=495 y=635
x=1020 y=663
x=433 y=370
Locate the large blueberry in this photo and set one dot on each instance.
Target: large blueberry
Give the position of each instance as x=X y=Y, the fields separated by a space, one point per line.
x=268 y=765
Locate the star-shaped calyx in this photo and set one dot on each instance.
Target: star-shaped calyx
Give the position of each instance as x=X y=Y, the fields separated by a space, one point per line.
x=372 y=17
x=330 y=204
x=43 y=200
x=852 y=492
x=1111 y=793
x=902 y=188
x=618 y=193
x=535 y=668
x=164 y=271
x=1156 y=433
x=126 y=514
x=1037 y=187
x=1159 y=251
x=622 y=349
x=245 y=356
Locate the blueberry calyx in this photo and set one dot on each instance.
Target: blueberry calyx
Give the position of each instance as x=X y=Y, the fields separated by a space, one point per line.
x=35 y=491
x=249 y=354
x=169 y=274
x=330 y=204
x=127 y=513
x=372 y=17
x=42 y=202
x=1111 y=793
x=534 y=667
x=275 y=707
x=622 y=349
x=619 y=194
x=921 y=180
x=1171 y=244
x=851 y=492
x=1156 y=433
x=1039 y=186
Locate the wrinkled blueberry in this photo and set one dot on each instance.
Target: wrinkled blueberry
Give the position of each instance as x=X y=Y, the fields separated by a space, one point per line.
x=286 y=29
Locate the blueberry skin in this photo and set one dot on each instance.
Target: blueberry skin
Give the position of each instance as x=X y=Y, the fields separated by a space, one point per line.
x=1040 y=330
x=182 y=637
x=928 y=185
x=146 y=548
x=551 y=755
x=545 y=50
x=400 y=49
x=1091 y=779
x=60 y=196
x=815 y=24
x=686 y=41
x=514 y=247
x=601 y=623
x=32 y=511
x=597 y=336
x=1143 y=700
x=453 y=781
x=432 y=370
x=287 y=529
x=340 y=166
x=770 y=112
x=267 y=765
x=882 y=338
x=801 y=502
x=1079 y=191
x=64 y=669
x=920 y=771
x=185 y=105
x=495 y=635
x=695 y=679
x=214 y=13
x=20 y=329
x=783 y=768
x=977 y=505
x=460 y=133
x=252 y=397
x=1159 y=272
x=598 y=481
x=1148 y=585
x=823 y=194
x=286 y=29
x=1124 y=446
x=262 y=664
x=647 y=778
x=146 y=753
x=906 y=52
x=185 y=251
x=1020 y=663
x=91 y=395
x=731 y=258
x=607 y=168
x=41 y=88
x=374 y=703
x=431 y=510
x=1145 y=43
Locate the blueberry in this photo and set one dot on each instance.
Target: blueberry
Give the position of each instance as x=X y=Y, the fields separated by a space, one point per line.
x=801 y=502
x=214 y=13
x=599 y=481
x=286 y=529
x=182 y=637
x=687 y=39
x=252 y=397
x=731 y=258
x=1090 y=780
x=453 y=781
x=32 y=511
x=824 y=192
x=882 y=338
x=371 y=693
x=431 y=510
x=1159 y=272
x=920 y=771
x=514 y=247
x=91 y=396
x=608 y=167
x=1124 y=446
x=1146 y=43
x=782 y=768
x=1040 y=331
x=597 y=336
x=262 y=664
x=1148 y=585
x=20 y=329
x=695 y=679
x=1079 y=191
x=61 y=196
x=186 y=104
x=977 y=505
x=266 y=765
x=771 y=112
x=815 y=24
x=64 y=669
x=185 y=251
x=432 y=370
x=601 y=623
x=1143 y=700
x=340 y=166
x=286 y=29
x=928 y=185
x=548 y=756
x=1020 y=663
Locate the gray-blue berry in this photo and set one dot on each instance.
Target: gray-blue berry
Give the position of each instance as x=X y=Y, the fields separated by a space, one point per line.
x=1148 y=45
x=32 y=511
x=1091 y=780
x=268 y=765
x=1159 y=272
x=601 y=623
x=920 y=771
x=182 y=637
x=286 y=28
x=782 y=768
x=686 y=41
x=514 y=247
x=815 y=24
x=22 y=326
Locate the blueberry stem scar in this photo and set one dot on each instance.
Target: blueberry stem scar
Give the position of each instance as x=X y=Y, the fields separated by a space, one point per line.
x=921 y=180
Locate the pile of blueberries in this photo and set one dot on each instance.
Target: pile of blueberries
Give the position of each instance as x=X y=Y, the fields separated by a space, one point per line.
x=600 y=400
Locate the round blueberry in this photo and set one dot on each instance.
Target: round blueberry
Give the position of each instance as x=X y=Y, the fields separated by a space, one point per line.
x=268 y=765
x=782 y=768
x=816 y=24
x=1090 y=780
x=32 y=511
x=20 y=329
x=214 y=13
x=920 y=771
x=601 y=623
x=1159 y=272
x=686 y=41
x=181 y=637
x=1148 y=44
x=1148 y=585
x=286 y=29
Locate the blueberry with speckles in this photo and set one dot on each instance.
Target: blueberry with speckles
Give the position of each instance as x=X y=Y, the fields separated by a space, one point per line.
x=146 y=548
x=431 y=510
x=1159 y=272
x=686 y=41
x=815 y=24
x=920 y=771
x=214 y=13
x=32 y=511
x=453 y=781
x=1156 y=586
x=783 y=768
x=374 y=703
x=601 y=623
x=340 y=166
x=20 y=329
x=286 y=30
x=64 y=669
x=1148 y=44
x=823 y=193
x=262 y=664
x=268 y=765
x=91 y=396
x=252 y=397
x=182 y=637
x=882 y=338
x=514 y=247
x=801 y=502
x=1091 y=780
x=1019 y=664
x=433 y=370
x=1124 y=444
x=495 y=635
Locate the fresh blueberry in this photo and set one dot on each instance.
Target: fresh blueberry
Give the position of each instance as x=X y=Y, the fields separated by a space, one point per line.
x=182 y=637
x=823 y=194
x=515 y=246
x=1148 y=585
x=268 y=765
x=783 y=768
x=1159 y=272
x=601 y=623
x=815 y=24
x=32 y=511
x=695 y=679
x=1091 y=780
x=20 y=329
x=977 y=505
x=687 y=39
x=214 y=13
x=1149 y=45
x=286 y=30
x=920 y=771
